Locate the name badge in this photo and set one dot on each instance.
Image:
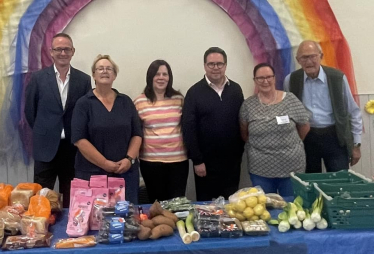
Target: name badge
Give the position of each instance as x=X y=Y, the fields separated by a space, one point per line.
x=283 y=119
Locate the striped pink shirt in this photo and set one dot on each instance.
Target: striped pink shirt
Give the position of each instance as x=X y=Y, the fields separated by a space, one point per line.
x=162 y=141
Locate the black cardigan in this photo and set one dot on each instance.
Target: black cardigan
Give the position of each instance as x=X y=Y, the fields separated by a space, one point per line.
x=210 y=124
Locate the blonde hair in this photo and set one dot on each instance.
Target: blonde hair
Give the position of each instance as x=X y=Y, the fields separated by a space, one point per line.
x=107 y=57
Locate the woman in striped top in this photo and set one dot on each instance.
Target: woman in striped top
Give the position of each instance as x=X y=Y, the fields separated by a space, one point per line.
x=163 y=157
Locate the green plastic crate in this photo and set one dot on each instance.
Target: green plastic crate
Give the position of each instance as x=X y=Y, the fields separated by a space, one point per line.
x=347 y=206
x=303 y=183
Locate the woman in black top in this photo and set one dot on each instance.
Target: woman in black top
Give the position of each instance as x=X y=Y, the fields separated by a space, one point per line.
x=107 y=130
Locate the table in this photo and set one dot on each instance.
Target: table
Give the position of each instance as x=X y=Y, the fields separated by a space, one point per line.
x=293 y=241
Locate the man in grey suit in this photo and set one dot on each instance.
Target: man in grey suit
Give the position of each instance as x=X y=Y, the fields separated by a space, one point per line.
x=50 y=99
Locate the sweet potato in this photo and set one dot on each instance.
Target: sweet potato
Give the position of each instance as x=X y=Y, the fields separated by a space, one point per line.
x=160 y=219
x=155 y=209
x=148 y=224
x=161 y=230
x=144 y=233
x=170 y=215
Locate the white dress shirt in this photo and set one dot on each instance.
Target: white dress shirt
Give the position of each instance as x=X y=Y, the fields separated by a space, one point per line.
x=63 y=87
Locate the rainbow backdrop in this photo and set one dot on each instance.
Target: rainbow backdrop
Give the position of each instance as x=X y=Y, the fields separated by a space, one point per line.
x=273 y=29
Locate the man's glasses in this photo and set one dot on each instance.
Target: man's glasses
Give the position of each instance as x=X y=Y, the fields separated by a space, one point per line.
x=311 y=57
x=261 y=80
x=59 y=50
x=102 y=69
x=212 y=65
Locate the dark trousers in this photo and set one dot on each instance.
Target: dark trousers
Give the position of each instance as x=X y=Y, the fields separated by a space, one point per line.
x=322 y=143
x=164 y=180
x=222 y=178
x=61 y=166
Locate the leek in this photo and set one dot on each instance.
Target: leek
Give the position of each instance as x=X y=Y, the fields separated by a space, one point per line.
x=299 y=205
x=284 y=225
x=291 y=209
x=186 y=237
x=322 y=224
x=298 y=225
x=308 y=224
x=317 y=208
x=190 y=229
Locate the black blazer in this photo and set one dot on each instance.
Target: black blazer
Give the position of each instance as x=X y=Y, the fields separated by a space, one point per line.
x=44 y=112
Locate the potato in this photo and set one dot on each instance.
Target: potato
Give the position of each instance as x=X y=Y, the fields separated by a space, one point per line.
x=160 y=219
x=170 y=215
x=155 y=210
x=144 y=233
x=161 y=230
x=148 y=224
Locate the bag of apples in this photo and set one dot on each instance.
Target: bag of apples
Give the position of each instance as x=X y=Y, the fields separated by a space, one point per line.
x=248 y=204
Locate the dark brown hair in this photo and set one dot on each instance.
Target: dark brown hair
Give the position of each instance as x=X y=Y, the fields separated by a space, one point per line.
x=260 y=65
x=151 y=73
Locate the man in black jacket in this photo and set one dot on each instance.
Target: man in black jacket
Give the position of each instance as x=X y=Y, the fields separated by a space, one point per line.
x=50 y=99
x=211 y=132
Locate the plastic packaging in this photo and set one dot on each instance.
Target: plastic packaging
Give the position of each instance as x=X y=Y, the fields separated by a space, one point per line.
x=80 y=242
x=55 y=199
x=10 y=215
x=274 y=200
x=39 y=207
x=231 y=228
x=257 y=227
x=207 y=220
x=5 y=190
x=98 y=204
x=244 y=193
x=116 y=188
x=177 y=204
x=31 y=225
x=79 y=216
x=23 y=192
x=20 y=242
x=1 y=231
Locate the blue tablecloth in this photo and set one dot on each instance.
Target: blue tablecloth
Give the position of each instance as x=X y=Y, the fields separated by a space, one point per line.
x=293 y=241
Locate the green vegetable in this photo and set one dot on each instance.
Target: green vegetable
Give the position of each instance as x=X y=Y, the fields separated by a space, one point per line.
x=284 y=225
x=322 y=224
x=299 y=205
x=298 y=225
x=190 y=229
x=292 y=209
x=186 y=237
x=317 y=208
x=308 y=224
x=273 y=222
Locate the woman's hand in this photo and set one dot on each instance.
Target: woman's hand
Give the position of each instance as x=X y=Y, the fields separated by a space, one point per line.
x=123 y=166
x=110 y=166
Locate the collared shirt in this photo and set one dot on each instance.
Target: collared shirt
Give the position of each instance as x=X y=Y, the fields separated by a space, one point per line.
x=63 y=87
x=316 y=99
x=218 y=90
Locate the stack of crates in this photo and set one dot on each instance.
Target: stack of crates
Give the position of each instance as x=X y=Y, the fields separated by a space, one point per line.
x=348 y=197
x=347 y=206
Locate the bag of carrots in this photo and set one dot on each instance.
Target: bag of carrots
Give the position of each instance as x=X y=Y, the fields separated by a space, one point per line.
x=5 y=190
x=39 y=207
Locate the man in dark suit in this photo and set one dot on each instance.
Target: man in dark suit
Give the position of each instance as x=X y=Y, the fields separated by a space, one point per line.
x=50 y=99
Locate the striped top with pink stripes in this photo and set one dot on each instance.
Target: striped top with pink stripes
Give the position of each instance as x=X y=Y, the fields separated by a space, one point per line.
x=162 y=141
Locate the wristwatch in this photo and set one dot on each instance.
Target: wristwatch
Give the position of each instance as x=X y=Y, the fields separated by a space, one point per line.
x=131 y=159
x=357 y=145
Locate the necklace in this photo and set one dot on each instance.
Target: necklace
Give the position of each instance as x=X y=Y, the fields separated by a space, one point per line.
x=270 y=103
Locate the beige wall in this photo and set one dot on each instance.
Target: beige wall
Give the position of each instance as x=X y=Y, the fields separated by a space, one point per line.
x=357 y=24
x=136 y=32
